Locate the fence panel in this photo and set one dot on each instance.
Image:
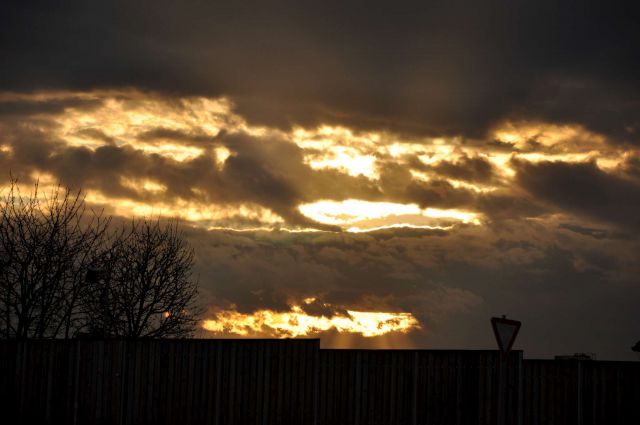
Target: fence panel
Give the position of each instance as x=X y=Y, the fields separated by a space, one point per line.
x=159 y=381
x=572 y=392
x=611 y=393
x=371 y=387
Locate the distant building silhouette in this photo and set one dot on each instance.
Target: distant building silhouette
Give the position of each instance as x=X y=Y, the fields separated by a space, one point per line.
x=577 y=356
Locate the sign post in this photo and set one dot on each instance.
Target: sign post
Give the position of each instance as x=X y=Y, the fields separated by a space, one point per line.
x=505 y=331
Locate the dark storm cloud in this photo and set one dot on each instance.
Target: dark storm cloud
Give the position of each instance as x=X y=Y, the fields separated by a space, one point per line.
x=583 y=189
x=439 y=193
x=631 y=165
x=398 y=185
x=27 y=108
x=472 y=169
x=590 y=102
x=510 y=204
x=594 y=233
x=440 y=67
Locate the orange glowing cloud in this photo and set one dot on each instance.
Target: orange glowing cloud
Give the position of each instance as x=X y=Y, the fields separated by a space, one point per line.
x=297 y=322
x=173 y=141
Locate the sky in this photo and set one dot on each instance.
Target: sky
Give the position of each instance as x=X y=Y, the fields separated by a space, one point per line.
x=379 y=174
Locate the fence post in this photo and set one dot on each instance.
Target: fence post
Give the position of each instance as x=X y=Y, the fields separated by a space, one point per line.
x=358 y=387
x=76 y=381
x=520 y=411
x=579 y=395
x=414 y=395
x=316 y=384
x=501 y=389
x=124 y=384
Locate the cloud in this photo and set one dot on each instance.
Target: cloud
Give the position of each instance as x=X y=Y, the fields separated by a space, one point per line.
x=476 y=169
x=631 y=165
x=583 y=189
x=268 y=171
x=26 y=108
x=154 y=150
x=427 y=69
x=451 y=281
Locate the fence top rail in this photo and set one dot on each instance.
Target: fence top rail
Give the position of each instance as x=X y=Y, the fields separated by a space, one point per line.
x=574 y=361
x=417 y=350
x=73 y=341
x=247 y=341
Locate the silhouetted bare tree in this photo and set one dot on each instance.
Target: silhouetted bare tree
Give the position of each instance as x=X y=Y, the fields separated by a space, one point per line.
x=47 y=241
x=66 y=270
x=149 y=287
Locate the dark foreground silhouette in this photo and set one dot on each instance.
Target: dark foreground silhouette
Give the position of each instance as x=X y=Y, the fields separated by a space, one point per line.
x=295 y=382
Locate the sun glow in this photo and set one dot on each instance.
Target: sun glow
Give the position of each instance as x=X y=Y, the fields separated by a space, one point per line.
x=297 y=322
x=346 y=160
x=366 y=216
x=339 y=148
x=222 y=154
x=143 y=185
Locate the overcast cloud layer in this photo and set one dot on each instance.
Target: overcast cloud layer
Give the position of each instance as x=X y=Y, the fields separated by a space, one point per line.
x=455 y=161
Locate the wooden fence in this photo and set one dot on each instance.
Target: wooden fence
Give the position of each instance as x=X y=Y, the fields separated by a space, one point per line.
x=576 y=392
x=295 y=382
x=160 y=382
x=417 y=387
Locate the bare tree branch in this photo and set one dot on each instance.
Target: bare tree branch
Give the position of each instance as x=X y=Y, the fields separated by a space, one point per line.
x=65 y=270
x=151 y=291
x=46 y=244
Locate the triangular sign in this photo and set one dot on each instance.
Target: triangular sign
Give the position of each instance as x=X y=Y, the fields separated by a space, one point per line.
x=505 y=331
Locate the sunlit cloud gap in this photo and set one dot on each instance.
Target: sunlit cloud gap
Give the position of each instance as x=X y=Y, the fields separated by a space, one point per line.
x=192 y=211
x=124 y=117
x=346 y=160
x=351 y=212
x=146 y=123
x=352 y=215
x=296 y=322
